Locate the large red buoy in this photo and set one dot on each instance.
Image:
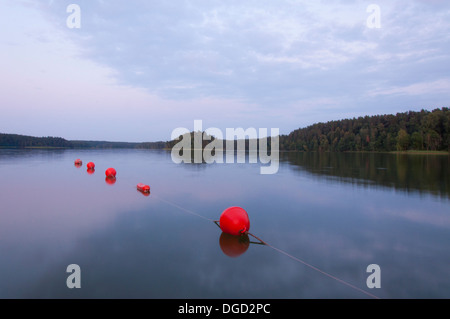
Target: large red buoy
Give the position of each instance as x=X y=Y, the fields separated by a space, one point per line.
x=234 y=221
x=143 y=188
x=234 y=246
x=110 y=172
x=90 y=165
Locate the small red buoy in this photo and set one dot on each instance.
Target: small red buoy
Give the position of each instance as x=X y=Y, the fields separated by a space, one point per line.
x=78 y=162
x=110 y=172
x=90 y=165
x=143 y=188
x=234 y=221
x=234 y=246
x=111 y=180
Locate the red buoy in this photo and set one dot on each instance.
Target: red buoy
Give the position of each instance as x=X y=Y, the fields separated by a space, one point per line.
x=78 y=162
x=90 y=165
x=110 y=172
x=234 y=246
x=234 y=221
x=143 y=188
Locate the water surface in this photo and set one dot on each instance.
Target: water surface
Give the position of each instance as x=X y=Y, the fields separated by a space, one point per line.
x=337 y=212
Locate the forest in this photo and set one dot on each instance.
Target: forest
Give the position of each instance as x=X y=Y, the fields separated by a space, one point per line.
x=413 y=130
x=23 y=141
x=424 y=130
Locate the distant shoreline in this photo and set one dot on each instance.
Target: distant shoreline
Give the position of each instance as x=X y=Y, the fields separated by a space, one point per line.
x=424 y=132
x=409 y=152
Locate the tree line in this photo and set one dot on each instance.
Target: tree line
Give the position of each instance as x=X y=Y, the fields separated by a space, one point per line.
x=24 y=141
x=424 y=130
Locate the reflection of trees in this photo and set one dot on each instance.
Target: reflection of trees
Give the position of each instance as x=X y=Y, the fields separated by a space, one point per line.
x=423 y=173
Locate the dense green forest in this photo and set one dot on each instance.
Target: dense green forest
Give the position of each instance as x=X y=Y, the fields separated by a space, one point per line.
x=23 y=141
x=424 y=130
x=106 y=144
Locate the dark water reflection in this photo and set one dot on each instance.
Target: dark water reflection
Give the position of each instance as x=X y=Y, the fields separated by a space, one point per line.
x=338 y=212
x=421 y=173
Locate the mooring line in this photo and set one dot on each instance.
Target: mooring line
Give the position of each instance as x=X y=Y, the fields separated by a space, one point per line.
x=266 y=244
x=183 y=209
x=276 y=249
x=323 y=272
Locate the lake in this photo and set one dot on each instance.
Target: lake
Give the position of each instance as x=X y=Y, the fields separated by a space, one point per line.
x=336 y=212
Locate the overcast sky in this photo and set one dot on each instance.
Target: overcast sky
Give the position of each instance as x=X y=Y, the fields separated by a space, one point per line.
x=136 y=70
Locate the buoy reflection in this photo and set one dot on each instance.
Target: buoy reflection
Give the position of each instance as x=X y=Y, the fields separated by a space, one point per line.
x=111 y=180
x=90 y=171
x=145 y=193
x=232 y=245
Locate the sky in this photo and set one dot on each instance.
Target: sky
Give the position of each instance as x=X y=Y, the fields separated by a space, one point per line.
x=136 y=70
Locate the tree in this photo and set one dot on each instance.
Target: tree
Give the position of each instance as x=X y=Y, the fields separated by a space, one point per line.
x=402 y=131
x=402 y=140
x=416 y=141
x=432 y=140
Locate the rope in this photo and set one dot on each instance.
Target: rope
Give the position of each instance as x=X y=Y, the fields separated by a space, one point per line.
x=276 y=249
x=245 y=231
x=183 y=209
x=323 y=272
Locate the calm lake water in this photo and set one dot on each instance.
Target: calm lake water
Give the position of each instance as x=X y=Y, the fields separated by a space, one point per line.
x=337 y=212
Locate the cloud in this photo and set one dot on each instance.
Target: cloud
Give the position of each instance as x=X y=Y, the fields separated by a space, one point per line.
x=214 y=49
x=253 y=50
x=267 y=57
x=436 y=87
